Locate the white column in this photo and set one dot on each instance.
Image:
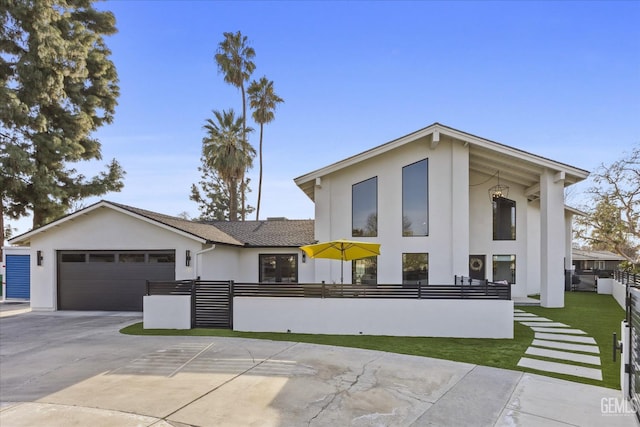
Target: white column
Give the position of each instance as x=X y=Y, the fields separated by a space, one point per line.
x=459 y=209
x=568 y=240
x=552 y=239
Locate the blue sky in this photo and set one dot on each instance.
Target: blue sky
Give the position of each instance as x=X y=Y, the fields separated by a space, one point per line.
x=558 y=79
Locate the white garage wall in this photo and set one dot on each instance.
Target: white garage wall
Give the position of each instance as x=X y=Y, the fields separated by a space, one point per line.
x=353 y=316
x=101 y=229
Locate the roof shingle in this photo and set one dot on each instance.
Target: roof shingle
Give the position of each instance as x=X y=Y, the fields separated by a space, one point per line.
x=270 y=233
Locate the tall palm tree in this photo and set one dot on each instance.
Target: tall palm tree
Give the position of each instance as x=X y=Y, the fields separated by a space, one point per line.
x=234 y=58
x=226 y=150
x=263 y=100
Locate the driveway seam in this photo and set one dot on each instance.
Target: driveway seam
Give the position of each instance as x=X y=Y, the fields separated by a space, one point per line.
x=178 y=369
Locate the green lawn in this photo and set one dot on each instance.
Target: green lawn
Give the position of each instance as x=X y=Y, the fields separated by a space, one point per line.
x=598 y=315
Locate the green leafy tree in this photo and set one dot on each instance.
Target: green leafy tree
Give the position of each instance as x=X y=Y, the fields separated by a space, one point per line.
x=263 y=100
x=613 y=217
x=212 y=196
x=58 y=87
x=226 y=152
x=234 y=58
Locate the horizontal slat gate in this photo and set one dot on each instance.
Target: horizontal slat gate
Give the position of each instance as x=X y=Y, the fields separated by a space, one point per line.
x=213 y=304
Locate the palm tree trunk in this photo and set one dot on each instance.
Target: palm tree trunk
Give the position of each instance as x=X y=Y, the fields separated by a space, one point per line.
x=244 y=138
x=233 y=200
x=260 y=179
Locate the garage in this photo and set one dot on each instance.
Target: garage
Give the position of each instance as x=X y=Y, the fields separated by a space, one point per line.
x=110 y=280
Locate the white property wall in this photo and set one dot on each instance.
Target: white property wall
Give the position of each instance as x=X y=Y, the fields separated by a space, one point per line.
x=354 y=316
x=101 y=229
x=614 y=288
x=166 y=312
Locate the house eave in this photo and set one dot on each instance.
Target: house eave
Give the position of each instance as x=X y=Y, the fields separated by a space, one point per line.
x=531 y=164
x=25 y=238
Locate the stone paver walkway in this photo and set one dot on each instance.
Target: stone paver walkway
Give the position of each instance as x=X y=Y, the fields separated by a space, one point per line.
x=559 y=348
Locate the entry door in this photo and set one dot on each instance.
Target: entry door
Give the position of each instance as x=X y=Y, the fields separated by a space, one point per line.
x=477 y=267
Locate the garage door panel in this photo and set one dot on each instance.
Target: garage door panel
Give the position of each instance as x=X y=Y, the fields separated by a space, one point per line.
x=107 y=285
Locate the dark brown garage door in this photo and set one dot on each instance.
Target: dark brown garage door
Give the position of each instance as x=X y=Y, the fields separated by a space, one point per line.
x=110 y=280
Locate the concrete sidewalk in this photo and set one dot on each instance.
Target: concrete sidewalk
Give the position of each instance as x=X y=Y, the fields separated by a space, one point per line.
x=63 y=368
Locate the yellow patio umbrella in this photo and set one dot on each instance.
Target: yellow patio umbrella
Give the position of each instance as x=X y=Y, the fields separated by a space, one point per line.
x=344 y=250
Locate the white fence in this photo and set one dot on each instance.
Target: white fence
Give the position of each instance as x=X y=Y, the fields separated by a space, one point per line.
x=395 y=317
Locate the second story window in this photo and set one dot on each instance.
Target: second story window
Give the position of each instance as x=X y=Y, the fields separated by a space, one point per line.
x=365 y=208
x=504 y=219
x=415 y=199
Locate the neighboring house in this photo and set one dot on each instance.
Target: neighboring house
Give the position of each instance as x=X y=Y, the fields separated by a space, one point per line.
x=437 y=201
x=440 y=201
x=99 y=258
x=590 y=262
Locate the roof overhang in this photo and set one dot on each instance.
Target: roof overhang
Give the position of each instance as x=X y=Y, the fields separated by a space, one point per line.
x=485 y=157
x=574 y=211
x=25 y=238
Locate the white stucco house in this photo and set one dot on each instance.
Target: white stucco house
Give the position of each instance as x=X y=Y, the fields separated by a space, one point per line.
x=100 y=257
x=437 y=198
x=441 y=202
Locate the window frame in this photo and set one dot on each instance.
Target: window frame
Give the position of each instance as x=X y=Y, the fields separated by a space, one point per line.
x=354 y=269
x=277 y=269
x=426 y=201
x=375 y=213
x=420 y=281
x=497 y=218
x=513 y=260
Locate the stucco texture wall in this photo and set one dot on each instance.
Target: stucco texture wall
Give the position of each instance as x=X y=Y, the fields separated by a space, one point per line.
x=101 y=229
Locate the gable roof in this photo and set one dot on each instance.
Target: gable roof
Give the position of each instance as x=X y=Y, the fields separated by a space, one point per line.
x=582 y=254
x=281 y=233
x=485 y=156
x=197 y=229
x=270 y=233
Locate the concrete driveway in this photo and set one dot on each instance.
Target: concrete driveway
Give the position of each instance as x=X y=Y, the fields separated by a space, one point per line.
x=73 y=368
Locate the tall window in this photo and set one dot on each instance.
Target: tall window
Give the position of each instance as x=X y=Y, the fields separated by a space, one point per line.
x=364 y=271
x=504 y=268
x=279 y=268
x=415 y=199
x=504 y=219
x=415 y=269
x=365 y=208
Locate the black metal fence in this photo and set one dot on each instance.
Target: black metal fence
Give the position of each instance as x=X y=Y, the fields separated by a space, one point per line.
x=467 y=290
x=627 y=278
x=212 y=301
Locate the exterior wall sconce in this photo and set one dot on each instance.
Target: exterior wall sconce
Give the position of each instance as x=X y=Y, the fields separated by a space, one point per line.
x=498 y=191
x=304 y=257
x=39 y=257
x=188 y=258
